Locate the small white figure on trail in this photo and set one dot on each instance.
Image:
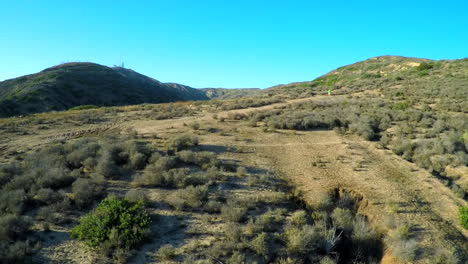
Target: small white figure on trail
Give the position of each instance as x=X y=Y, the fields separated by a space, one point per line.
x=329 y=92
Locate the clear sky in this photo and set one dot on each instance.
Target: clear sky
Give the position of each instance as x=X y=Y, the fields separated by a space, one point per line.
x=232 y=44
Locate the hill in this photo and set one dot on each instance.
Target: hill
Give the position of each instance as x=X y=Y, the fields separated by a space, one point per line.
x=73 y=84
x=441 y=81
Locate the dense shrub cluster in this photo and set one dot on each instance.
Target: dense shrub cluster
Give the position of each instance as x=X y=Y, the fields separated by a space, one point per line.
x=118 y=223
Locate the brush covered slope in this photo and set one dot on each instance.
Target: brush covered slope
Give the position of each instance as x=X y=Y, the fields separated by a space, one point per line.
x=73 y=84
x=445 y=82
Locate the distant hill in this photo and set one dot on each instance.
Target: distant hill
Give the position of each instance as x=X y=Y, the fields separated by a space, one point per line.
x=223 y=93
x=438 y=78
x=73 y=84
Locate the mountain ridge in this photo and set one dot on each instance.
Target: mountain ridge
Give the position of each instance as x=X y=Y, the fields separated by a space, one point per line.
x=68 y=85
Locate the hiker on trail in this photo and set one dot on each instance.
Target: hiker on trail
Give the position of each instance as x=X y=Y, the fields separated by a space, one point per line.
x=329 y=92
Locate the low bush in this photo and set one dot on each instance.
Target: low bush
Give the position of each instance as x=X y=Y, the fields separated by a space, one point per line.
x=13 y=201
x=299 y=218
x=213 y=206
x=233 y=213
x=120 y=220
x=106 y=166
x=403 y=249
x=203 y=159
x=192 y=196
x=260 y=244
x=48 y=196
x=136 y=196
x=463 y=216
x=233 y=231
x=301 y=240
x=166 y=253
x=154 y=173
x=16 y=251
x=13 y=227
x=181 y=142
x=343 y=219
x=86 y=191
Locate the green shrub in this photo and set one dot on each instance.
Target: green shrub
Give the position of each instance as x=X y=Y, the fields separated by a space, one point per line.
x=260 y=244
x=424 y=66
x=401 y=106
x=463 y=216
x=124 y=221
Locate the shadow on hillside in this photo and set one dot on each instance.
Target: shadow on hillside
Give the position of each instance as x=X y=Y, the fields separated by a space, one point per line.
x=214 y=148
x=49 y=240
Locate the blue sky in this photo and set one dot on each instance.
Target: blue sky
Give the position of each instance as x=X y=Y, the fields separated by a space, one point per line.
x=232 y=44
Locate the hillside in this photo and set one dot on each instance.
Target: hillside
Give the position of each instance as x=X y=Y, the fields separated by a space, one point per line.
x=73 y=84
x=222 y=93
x=437 y=82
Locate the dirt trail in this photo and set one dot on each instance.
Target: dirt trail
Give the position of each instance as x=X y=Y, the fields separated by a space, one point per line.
x=154 y=126
x=389 y=186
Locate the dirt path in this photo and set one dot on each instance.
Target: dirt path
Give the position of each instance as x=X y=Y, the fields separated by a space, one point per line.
x=390 y=187
x=155 y=126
